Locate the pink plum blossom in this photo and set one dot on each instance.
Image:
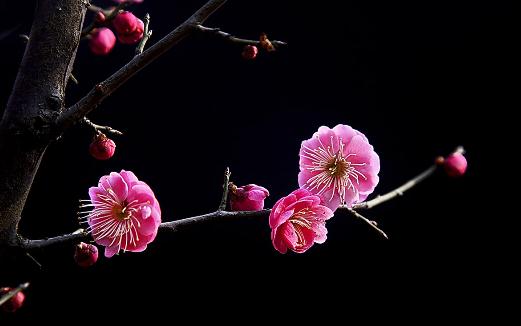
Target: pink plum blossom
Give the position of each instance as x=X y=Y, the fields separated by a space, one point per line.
x=102 y=147
x=124 y=214
x=455 y=164
x=247 y=198
x=298 y=221
x=339 y=165
x=15 y=302
x=102 y=41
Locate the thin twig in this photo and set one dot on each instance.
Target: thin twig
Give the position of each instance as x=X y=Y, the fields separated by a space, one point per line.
x=146 y=35
x=398 y=191
x=368 y=222
x=226 y=187
x=34 y=260
x=88 y=103
x=230 y=38
x=99 y=128
x=13 y=292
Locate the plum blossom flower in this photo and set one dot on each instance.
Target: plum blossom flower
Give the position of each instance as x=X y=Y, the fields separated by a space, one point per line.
x=124 y=214
x=339 y=165
x=134 y=36
x=15 y=302
x=298 y=221
x=247 y=198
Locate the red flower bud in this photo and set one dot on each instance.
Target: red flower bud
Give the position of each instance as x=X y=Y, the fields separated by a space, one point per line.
x=455 y=164
x=134 y=36
x=102 y=41
x=14 y=303
x=100 y=17
x=250 y=52
x=102 y=147
x=86 y=254
x=125 y=22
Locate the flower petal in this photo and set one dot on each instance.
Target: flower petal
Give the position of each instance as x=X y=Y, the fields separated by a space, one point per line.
x=111 y=251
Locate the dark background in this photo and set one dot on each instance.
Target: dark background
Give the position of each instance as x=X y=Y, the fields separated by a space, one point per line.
x=417 y=78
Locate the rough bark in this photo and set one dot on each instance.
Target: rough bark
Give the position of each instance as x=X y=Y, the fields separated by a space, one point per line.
x=37 y=98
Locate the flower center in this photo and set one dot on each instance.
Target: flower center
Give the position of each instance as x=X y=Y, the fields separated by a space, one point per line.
x=338 y=166
x=121 y=213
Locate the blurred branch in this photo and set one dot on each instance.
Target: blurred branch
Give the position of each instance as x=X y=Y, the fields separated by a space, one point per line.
x=398 y=191
x=13 y=292
x=88 y=103
x=99 y=128
x=230 y=38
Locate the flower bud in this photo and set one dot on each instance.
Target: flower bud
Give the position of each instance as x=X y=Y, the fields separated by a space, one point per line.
x=102 y=41
x=125 y=22
x=134 y=36
x=102 y=147
x=100 y=17
x=247 y=198
x=250 y=52
x=86 y=254
x=14 y=303
x=455 y=164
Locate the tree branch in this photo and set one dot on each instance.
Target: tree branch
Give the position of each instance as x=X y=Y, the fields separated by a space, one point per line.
x=77 y=111
x=146 y=35
x=170 y=226
x=226 y=187
x=372 y=224
x=4 y=298
x=230 y=38
x=398 y=191
x=99 y=128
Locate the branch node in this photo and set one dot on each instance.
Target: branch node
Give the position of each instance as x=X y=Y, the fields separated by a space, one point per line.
x=146 y=35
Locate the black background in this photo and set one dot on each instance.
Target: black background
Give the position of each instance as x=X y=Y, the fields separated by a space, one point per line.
x=417 y=78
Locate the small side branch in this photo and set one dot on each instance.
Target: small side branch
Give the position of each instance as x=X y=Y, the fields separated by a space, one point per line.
x=146 y=36
x=99 y=128
x=368 y=222
x=226 y=187
x=230 y=38
x=398 y=191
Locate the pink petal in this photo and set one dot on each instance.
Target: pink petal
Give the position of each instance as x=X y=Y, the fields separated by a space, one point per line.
x=278 y=241
x=281 y=218
x=320 y=232
x=322 y=213
x=346 y=133
x=309 y=240
x=288 y=234
x=118 y=186
x=257 y=195
x=305 y=202
x=111 y=251
x=142 y=193
x=129 y=177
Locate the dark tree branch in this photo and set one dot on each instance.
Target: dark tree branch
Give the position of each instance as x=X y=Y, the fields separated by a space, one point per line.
x=77 y=111
x=170 y=226
x=226 y=187
x=230 y=38
x=37 y=98
x=99 y=128
x=398 y=191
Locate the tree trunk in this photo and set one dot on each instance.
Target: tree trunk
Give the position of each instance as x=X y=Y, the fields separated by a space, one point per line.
x=28 y=123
